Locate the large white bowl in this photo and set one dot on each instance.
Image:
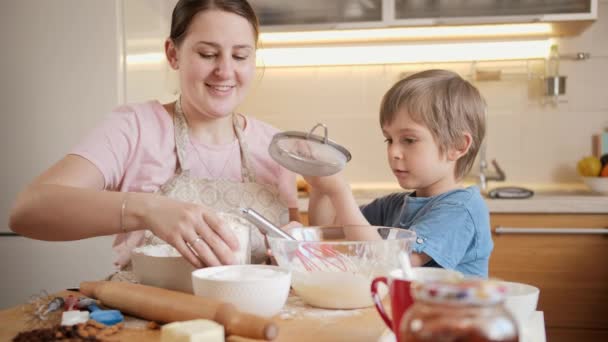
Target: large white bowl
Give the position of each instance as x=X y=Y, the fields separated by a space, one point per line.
x=258 y=289
x=597 y=184
x=331 y=272
x=521 y=300
x=167 y=271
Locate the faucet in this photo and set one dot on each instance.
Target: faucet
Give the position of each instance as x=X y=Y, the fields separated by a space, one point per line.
x=499 y=176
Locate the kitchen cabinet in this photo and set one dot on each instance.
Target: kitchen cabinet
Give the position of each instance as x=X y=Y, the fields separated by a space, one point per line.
x=280 y=15
x=317 y=12
x=464 y=11
x=566 y=264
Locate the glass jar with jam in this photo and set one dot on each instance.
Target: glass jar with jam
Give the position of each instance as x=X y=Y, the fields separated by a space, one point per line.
x=458 y=310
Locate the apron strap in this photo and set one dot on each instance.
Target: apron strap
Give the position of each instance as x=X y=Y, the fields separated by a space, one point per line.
x=247 y=172
x=180 y=127
x=181 y=140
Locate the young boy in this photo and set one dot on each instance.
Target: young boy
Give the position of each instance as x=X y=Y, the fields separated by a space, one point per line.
x=434 y=123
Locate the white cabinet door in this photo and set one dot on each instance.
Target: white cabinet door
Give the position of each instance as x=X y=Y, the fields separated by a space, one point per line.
x=28 y=266
x=60 y=77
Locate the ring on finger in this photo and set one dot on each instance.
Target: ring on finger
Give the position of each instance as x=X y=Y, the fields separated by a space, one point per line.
x=198 y=238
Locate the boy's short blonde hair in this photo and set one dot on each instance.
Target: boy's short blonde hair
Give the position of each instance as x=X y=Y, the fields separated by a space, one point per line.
x=446 y=104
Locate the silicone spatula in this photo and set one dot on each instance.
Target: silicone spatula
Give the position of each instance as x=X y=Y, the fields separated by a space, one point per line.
x=107 y=317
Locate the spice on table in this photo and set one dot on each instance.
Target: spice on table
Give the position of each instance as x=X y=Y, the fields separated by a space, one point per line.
x=89 y=331
x=43 y=311
x=152 y=325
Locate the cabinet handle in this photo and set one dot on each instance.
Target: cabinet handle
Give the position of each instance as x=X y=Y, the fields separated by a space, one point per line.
x=570 y=231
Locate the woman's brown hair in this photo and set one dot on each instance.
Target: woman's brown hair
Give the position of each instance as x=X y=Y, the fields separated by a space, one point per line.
x=185 y=10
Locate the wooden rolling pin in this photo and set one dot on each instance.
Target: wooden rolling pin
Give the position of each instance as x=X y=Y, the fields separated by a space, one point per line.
x=161 y=305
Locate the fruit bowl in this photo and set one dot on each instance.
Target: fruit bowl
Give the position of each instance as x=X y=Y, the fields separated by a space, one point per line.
x=328 y=271
x=598 y=185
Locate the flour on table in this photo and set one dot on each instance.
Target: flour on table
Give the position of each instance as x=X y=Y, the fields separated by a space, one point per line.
x=296 y=308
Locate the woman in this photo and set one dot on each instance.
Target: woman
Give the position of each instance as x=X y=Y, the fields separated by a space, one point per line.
x=196 y=152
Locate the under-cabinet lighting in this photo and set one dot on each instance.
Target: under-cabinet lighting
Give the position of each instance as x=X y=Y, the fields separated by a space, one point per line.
x=403 y=53
x=407 y=34
x=145 y=58
x=383 y=54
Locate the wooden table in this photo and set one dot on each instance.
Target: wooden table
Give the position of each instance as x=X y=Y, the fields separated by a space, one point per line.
x=360 y=325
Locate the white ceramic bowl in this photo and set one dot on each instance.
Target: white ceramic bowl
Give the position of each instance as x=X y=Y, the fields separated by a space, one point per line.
x=428 y=274
x=258 y=289
x=597 y=184
x=521 y=300
x=153 y=267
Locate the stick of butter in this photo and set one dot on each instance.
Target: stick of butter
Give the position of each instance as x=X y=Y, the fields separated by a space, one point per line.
x=192 y=331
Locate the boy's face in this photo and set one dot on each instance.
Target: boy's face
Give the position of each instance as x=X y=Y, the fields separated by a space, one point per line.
x=414 y=157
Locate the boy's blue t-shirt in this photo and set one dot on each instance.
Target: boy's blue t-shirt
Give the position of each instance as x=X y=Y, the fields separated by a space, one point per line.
x=452 y=228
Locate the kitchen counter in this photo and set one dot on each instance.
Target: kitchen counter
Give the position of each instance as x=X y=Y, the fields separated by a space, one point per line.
x=565 y=198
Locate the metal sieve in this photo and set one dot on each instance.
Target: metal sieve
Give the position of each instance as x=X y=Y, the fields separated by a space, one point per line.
x=308 y=154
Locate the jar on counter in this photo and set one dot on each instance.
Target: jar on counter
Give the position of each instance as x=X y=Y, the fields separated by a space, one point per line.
x=455 y=311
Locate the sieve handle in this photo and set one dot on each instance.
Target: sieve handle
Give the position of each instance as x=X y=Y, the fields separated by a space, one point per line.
x=324 y=132
x=263 y=223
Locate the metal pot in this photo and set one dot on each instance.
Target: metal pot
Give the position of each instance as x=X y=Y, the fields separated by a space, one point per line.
x=555 y=85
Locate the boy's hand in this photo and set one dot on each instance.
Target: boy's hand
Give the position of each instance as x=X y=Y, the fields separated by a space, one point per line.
x=328 y=185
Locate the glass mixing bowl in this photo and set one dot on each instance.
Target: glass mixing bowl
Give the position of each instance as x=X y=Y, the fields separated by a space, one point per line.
x=329 y=271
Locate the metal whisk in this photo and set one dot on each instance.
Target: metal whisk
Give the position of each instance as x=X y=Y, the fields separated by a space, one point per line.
x=314 y=256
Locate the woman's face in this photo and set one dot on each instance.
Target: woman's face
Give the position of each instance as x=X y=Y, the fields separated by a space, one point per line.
x=216 y=63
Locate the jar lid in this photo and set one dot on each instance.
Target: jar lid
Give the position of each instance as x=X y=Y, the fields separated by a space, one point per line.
x=308 y=154
x=463 y=292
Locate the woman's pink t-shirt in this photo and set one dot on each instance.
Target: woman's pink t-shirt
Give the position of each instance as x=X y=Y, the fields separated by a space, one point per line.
x=134 y=148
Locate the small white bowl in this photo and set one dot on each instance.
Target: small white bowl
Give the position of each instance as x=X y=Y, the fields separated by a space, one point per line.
x=152 y=267
x=597 y=184
x=428 y=274
x=521 y=300
x=257 y=289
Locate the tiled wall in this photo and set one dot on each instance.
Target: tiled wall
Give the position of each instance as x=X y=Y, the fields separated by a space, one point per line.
x=534 y=143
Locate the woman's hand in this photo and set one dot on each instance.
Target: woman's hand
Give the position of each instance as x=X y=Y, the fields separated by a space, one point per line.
x=192 y=228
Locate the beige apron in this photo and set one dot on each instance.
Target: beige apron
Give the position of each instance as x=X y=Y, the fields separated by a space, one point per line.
x=222 y=194
x=217 y=194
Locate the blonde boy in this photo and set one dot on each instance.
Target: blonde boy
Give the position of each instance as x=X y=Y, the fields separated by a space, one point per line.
x=433 y=123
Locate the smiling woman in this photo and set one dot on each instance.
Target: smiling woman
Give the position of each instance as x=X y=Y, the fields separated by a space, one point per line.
x=196 y=152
